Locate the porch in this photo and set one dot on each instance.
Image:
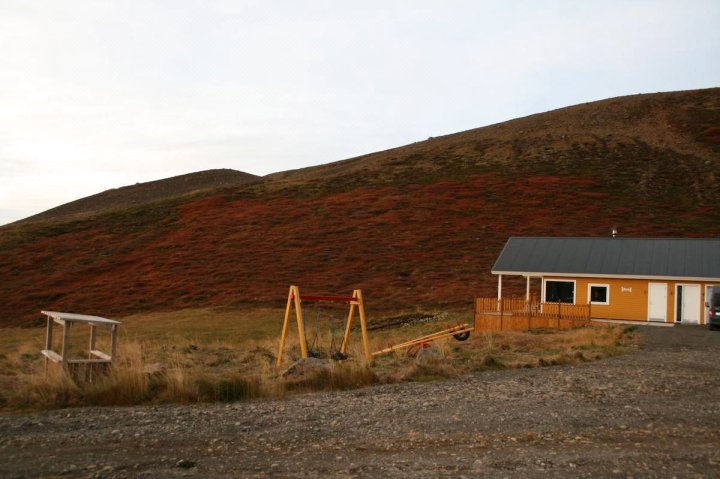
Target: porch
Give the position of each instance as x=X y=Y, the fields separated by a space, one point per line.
x=508 y=314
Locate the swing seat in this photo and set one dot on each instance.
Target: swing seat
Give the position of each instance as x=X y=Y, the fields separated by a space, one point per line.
x=316 y=354
x=338 y=356
x=462 y=336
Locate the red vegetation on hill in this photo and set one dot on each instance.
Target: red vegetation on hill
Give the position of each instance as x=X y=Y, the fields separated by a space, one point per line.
x=417 y=244
x=418 y=225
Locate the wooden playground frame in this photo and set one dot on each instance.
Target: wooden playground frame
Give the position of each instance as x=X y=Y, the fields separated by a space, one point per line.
x=295 y=300
x=97 y=361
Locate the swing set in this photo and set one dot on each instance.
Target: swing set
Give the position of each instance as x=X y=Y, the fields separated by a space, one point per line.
x=460 y=332
x=295 y=300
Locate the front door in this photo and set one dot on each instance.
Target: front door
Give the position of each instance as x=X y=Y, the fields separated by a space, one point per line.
x=687 y=302
x=657 y=302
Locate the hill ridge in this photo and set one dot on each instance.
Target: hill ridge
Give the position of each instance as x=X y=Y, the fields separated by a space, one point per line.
x=143 y=193
x=632 y=107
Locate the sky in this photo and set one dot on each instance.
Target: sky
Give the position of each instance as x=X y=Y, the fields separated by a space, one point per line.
x=99 y=94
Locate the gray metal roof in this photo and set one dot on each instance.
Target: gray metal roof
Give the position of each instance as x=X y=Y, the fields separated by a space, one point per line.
x=642 y=257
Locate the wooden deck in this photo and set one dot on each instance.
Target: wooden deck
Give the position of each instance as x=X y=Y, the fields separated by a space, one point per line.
x=510 y=314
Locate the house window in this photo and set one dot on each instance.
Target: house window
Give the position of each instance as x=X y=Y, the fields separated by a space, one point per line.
x=599 y=293
x=559 y=291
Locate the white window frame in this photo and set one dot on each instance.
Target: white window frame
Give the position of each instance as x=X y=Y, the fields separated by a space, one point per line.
x=599 y=285
x=574 y=282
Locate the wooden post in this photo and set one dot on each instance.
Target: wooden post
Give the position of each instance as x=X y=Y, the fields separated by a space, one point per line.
x=48 y=339
x=92 y=340
x=559 y=303
x=346 y=336
x=475 y=314
x=288 y=308
x=363 y=325
x=66 y=334
x=300 y=323
x=499 y=289
x=529 y=310
x=113 y=342
x=527 y=288
x=293 y=301
x=49 y=334
x=502 y=311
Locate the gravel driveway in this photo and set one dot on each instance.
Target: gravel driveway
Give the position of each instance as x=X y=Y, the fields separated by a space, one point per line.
x=653 y=413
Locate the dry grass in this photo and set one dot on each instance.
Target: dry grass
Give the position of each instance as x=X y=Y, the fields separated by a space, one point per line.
x=229 y=355
x=509 y=349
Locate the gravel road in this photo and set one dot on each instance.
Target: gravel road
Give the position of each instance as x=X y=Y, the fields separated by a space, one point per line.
x=652 y=413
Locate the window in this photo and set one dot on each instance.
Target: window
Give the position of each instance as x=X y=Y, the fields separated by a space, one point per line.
x=713 y=296
x=558 y=291
x=599 y=293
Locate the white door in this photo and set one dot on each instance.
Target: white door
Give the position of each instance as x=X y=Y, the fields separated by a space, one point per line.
x=657 y=302
x=688 y=303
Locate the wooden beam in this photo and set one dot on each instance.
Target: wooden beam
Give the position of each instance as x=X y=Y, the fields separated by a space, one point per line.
x=330 y=299
x=88 y=361
x=459 y=329
x=100 y=355
x=51 y=355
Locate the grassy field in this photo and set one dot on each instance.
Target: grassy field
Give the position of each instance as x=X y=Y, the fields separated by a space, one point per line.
x=229 y=354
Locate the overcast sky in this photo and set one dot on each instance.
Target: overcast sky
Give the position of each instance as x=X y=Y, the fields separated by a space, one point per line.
x=101 y=94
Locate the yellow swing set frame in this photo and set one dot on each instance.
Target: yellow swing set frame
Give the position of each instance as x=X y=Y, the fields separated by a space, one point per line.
x=295 y=300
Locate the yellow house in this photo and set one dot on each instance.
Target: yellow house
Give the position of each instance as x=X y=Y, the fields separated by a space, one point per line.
x=643 y=279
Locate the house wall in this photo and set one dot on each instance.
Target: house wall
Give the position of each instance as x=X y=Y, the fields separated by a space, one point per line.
x=628 y=298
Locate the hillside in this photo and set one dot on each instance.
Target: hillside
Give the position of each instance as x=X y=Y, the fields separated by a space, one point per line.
x=145 y=193
x=415 y=226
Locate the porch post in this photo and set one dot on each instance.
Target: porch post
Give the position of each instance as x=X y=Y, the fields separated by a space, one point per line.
x=499 y=290
x=527 y=288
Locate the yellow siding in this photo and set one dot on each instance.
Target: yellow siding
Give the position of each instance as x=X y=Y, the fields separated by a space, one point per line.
x=629 y=297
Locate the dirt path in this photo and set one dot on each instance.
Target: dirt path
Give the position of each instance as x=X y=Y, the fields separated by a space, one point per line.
x=654 y=413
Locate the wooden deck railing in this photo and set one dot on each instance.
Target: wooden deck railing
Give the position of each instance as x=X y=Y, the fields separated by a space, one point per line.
x=492 y=314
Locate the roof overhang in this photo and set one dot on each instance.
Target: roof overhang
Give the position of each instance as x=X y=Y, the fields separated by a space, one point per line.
x=538 y=274
x=79 y=318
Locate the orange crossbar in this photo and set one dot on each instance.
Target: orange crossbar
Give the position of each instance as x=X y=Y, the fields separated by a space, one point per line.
x=335 y=299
